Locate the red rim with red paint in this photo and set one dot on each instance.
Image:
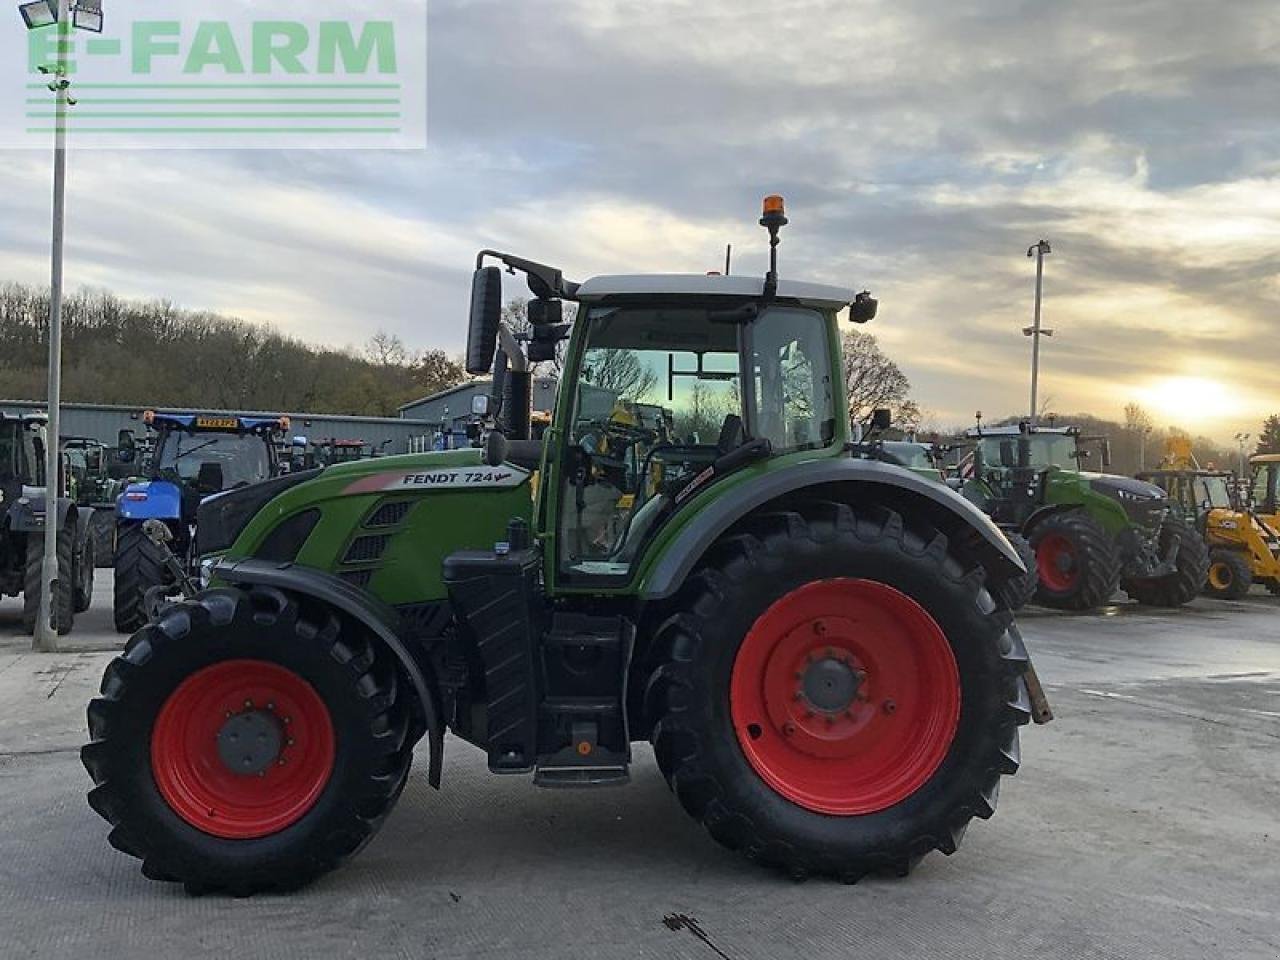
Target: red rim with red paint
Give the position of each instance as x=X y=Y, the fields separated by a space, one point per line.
x=845 y=696
x=1056 y=562
x=190 y=767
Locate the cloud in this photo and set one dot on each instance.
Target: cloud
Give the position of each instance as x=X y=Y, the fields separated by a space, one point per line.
x=922 y=147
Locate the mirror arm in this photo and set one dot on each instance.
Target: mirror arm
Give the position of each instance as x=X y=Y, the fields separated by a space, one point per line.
x=511 y=347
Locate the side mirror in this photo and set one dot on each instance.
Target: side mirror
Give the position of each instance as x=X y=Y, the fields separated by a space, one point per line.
x=486 y=314
x=125 y=441
x=881 y=417
x=480 y=405
x=863 y=308
x=93 y=458
x=1106 y=453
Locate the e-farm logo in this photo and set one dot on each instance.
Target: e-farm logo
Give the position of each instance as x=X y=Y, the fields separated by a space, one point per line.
x=241 y=77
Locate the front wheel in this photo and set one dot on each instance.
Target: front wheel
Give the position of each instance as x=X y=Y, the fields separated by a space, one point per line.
x=246 y=743
x=1230 y=575
x=838 y=695
x=1191 y=567
x=138 y=568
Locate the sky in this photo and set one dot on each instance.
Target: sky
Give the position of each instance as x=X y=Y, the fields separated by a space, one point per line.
x=922 y=147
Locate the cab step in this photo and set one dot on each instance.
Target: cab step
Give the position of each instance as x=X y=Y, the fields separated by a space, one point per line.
x=582 y=716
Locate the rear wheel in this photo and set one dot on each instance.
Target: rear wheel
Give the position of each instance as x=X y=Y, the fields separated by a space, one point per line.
x=138 y=569
x=1230 y=575
x=64 y=606
x=244 y=743
x=1188 y=578
x=1076 y=562
x=839 y=695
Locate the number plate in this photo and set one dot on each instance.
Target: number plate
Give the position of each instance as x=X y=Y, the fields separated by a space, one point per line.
x=217 y=423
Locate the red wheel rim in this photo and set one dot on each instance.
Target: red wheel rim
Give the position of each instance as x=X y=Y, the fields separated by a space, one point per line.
x=1056 y=562
x=198 y=726
x=845 y=696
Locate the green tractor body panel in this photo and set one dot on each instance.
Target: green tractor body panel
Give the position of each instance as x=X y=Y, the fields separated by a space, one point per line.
x=1065 y=488
x=435 y=503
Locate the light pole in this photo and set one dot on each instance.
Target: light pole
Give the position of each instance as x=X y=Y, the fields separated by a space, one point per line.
x=1241 y=440
x=62 y=14
x=1035 y=331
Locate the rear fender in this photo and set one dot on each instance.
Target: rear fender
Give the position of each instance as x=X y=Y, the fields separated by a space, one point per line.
x=847 y=480
x=379 y=618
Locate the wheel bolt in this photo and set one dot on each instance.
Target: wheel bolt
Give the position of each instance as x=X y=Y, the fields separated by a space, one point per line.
x=789 y=729
x=271 y=706
x=248 y=703
x=288 y=743
x=819 y=627
x=281 y=762
x=889 y=706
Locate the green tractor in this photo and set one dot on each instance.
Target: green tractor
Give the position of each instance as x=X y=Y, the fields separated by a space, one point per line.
x=814 y=643
x=1091 y=533
x=95 y=488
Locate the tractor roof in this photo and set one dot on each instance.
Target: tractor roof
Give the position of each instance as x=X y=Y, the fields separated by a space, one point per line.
x=1014 y=430
x=700 y=285
x=1265 y=458
x=35 y=417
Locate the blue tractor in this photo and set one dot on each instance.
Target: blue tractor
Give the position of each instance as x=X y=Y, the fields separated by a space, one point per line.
x=192 y=456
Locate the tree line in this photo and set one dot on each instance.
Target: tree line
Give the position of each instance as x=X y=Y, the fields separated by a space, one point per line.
x=152 y=353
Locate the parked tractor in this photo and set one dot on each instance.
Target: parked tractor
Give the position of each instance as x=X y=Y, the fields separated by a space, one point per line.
x=192 y=456
x=927 y=460
x=94 y=487
x=815 y=644
x=23 y=508
x=1091 y=532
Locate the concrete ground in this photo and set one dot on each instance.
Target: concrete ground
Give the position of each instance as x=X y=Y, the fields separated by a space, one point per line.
x=1145 y=823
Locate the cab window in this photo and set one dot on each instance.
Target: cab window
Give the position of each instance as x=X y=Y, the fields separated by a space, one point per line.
x=660 y=398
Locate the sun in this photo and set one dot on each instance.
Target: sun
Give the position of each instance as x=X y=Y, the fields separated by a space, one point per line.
x=1183 y=400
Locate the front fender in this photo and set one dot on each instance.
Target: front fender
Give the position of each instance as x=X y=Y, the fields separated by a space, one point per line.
x=361 y=606
x=867 y=481
x=150 y=500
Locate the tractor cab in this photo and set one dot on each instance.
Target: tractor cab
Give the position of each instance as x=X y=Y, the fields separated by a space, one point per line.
x=673 y=385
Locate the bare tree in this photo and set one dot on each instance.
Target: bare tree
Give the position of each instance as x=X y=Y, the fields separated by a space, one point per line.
x=874 y=381
x=386 y=350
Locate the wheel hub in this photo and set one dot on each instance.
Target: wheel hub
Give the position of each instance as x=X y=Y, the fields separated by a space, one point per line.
x=830 y=685
x=250 y=742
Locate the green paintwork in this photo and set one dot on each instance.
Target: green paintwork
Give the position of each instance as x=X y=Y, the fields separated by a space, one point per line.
x=439 y=522
x=1070 y=488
